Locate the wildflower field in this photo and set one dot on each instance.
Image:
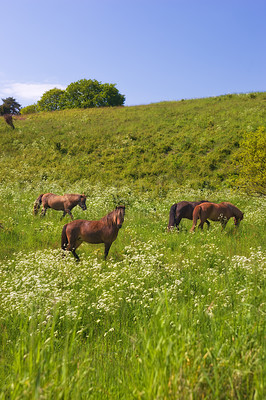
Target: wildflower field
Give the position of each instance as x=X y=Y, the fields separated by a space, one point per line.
x=166 y=316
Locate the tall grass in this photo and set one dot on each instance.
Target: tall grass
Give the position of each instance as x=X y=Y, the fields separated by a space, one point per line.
x=163 y=144
x=168 y=315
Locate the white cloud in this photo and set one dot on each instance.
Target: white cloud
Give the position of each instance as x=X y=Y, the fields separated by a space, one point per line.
x=26 y=93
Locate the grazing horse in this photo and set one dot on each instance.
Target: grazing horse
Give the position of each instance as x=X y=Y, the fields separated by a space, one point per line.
x=9 y=120
x=104 y=231
x=183 y=209
x=216 y=212
x=63 y=203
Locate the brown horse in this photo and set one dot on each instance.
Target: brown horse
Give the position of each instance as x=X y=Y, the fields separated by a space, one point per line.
x=63 y=203
x=183 y=209
x=103 y=231
x=216 y=212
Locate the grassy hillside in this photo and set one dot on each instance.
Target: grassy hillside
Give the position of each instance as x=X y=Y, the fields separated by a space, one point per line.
x=170 y=143
x=168 y=315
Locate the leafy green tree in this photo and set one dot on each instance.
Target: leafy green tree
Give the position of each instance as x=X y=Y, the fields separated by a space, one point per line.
x=88 y=93
x=10 y=106
x=110 y=96
x=29 y=109
x=251 y=162
x=51 y=100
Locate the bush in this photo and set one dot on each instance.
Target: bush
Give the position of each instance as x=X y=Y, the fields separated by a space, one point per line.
x=251 y=162
x=29 y=109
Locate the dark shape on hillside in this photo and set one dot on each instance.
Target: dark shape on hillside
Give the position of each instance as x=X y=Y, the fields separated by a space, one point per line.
x=10 y=106
x=216 y=212
x=63 y=203
x=9 y=120
x=103 y=231
x=183 y=209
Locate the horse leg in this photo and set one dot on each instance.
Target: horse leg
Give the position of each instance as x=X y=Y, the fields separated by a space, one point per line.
x=73 y=251
x=177 y=222
x=43 y=211
x=69 y=213
x=223 y=223
x=193 y=226
x=201 y=224
x=208 y=223
x=106 y=250
x=73 y=245
x=64 y=213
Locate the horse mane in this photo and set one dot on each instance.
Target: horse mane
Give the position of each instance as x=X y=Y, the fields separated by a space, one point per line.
x=172 y=215
x=110 y=216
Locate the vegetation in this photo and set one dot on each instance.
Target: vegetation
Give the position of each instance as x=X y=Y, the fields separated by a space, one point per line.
x=85 y=93
x=162 y=145
x=29 y=109
x=251 y=162
x=167 y=315
x=10 y=106
x=51 y=100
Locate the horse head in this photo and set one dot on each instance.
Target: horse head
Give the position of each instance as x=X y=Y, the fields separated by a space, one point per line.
x=238 y=218
x=119 y=216
x=82 y=202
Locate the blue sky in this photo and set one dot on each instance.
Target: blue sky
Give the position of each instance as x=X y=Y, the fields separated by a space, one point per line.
x=154 y=50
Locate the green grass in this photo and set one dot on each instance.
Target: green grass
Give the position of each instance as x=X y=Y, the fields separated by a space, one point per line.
x=173 y=143
x=167 y=315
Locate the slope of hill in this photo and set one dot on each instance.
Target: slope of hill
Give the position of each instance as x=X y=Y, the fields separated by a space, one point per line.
x=170 y=143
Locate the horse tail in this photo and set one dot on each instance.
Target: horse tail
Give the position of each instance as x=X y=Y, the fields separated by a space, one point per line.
x=171 y=222
x=64 y=240
x=196 y=216
x=37 y=204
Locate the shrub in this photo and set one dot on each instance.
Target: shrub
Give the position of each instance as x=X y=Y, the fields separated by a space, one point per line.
x=251 y=162
x=29 y=109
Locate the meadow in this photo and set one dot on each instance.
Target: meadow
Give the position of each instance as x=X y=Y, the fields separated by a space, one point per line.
x=157 y=146
x=168 y=315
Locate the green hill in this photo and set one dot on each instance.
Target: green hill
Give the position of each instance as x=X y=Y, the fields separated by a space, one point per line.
x=188 y=142
x=168 y=315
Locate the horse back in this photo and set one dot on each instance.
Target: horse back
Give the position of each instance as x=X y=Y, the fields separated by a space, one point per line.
x=91 y=231
x=214 y=211
x=184 y=209
x=53 y=201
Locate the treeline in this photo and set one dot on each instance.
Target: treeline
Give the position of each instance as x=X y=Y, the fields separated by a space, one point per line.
x=85 y=93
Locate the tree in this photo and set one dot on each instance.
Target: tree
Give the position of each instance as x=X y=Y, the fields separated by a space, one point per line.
x=91 y=93
x=110 y=96
x=10 y=106
x=251 y=162
x=51 y=100
x=85 y=93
